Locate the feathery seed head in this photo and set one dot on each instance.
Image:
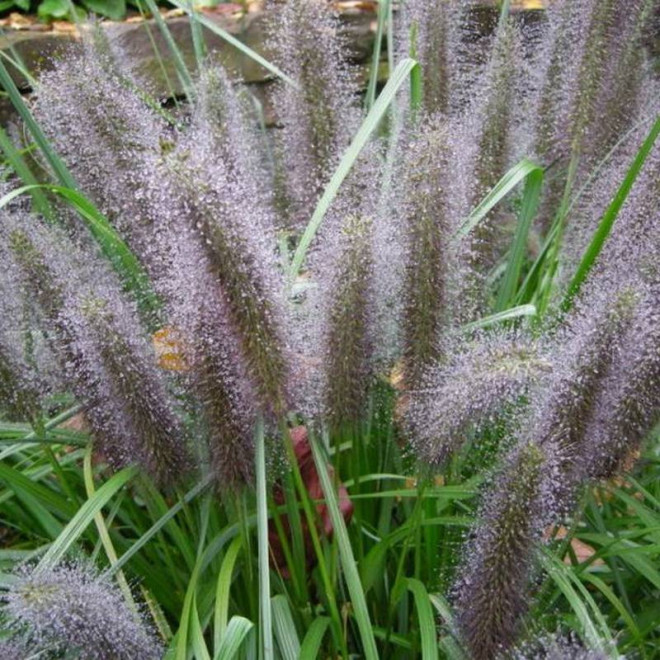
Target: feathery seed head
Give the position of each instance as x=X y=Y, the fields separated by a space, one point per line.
x=426 y=218
x=111 y=141
x=628 y=404
x=233 y=228
x=106 y=358
x=432 y=34
x=225 y=393
x=584 y=351
x=13 y=649
x=152 y=433
x=348 y=352
x=25 y=376
x=320 y=117
x=73 y=609
x=493 y=582
x=556 y=648
x=480 y=380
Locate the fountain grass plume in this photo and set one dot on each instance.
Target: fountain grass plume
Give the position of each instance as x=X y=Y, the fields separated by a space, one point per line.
x=74 y=610
x=432 y=34
x=543 y=473
x=426 y=217
x=481 y=380
x=223 y=210
x=557 y=647
x=564 y=400
x=492 y=587
x=591 y=88
x=11 y=649
x=593 y=68
x=152 y=432
x=223 y=114
x=19 y=394
x=224 y=396
x=582 y=84
x=107 y=136
x=628 y=405
x=495 y=117
x=338 y=324
x=626 y=72
x=106 y=358
x=348 y=367
x=495 y=108
x=211 y=365
x=22 y=385
x=158 y=184
x=320 y=116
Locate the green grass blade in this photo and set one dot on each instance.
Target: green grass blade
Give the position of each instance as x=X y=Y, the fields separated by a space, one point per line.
x=499 y=317
x=20 y=67
x=33 y=436
x=85 y=516
x=416 y=76
x=369 y=125
x=425 y=617
x=237 y=631
x=18 y=164
x=33 y=497
x=27 y=482
x=504 y=14
x=442 y=608
x=530 y=204
x=186 y=619
x=230 y=39
x=285 y=629
x=609 y=217
x=179 y=61
x=197 y=635
x=223 y=589
x=104 y=533
x=596 y=632
x=346 y=557
x=199 y=45
x=266 y=628
x=311 y=517
x=59 y=168
x=616 y=603
x=137 y=545
x=502 y=188
x=311 y=644
x=383 y=14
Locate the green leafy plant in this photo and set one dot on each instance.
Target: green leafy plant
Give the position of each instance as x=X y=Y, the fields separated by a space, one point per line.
x=49 y=10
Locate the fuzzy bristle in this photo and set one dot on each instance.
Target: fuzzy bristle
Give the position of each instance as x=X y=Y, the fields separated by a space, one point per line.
x=72 y=609
x=493 y=581
x=480 y=381
x=319 y=118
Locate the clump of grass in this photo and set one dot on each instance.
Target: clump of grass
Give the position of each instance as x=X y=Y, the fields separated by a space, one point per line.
x=402 y=341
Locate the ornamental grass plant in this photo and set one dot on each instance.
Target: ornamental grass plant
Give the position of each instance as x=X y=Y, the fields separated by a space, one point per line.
x=382 y=381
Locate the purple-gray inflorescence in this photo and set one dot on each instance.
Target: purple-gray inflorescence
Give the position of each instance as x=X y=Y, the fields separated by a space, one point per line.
x=319 y=116
x=72 y=609
x=557 y=647
x=105 y=356
x=492 y=588
x=24 y=360
x=481 y=379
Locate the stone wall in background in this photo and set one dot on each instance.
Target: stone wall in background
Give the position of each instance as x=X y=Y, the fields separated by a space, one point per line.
x=38 y=50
